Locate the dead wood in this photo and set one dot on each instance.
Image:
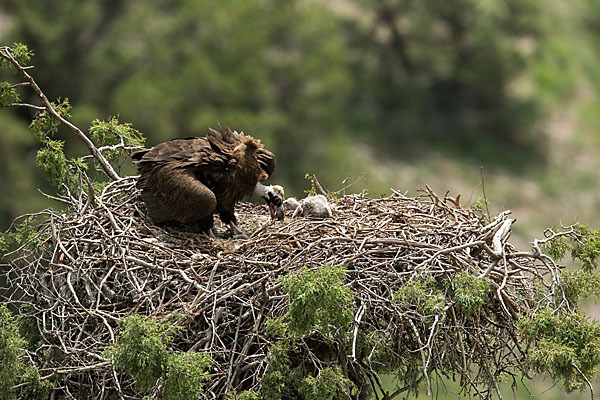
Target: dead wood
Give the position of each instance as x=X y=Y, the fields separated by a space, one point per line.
x=103 y=260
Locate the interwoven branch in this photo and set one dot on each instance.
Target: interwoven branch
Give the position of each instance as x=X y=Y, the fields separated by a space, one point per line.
x=102 y=261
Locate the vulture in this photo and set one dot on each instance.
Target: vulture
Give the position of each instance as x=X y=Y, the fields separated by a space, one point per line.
x=187 y=180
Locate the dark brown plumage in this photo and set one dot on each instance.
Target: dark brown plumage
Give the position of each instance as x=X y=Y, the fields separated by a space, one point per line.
x=187 y=180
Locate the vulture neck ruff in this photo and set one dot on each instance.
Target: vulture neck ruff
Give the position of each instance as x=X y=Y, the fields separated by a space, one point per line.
x=261 y=190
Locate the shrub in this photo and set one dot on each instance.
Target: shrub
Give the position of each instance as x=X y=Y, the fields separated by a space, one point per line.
x=318 y=300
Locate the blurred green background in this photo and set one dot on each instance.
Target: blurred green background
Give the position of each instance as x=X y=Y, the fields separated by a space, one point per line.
x=398 y=93
x=402 y=93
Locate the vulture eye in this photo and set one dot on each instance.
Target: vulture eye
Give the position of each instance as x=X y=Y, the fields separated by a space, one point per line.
x=275 y=203
x=275 y=199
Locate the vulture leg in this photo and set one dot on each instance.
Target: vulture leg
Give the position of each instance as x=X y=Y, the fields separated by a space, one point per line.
x=210 y=233
x=228 y=217
x=236 y=232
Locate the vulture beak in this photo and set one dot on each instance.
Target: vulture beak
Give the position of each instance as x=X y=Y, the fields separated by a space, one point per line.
x=276 y=210
x=274 y=197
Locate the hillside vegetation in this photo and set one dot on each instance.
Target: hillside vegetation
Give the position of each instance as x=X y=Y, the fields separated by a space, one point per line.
x=399 y=93
x=493 y=100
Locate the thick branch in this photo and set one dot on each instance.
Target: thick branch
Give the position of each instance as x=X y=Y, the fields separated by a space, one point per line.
x=5 y=52
x=102 y=262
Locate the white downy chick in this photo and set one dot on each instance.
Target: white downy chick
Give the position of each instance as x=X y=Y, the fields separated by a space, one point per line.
x=311 y=206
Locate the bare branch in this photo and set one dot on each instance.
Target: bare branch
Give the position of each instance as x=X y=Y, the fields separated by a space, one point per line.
x=38 y=108
x=5 y=52
x=104 y=261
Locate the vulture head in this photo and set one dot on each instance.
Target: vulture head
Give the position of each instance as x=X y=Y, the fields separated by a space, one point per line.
x=188 y=180
x=274 y=197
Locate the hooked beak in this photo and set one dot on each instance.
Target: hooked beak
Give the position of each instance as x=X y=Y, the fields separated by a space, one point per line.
x=274 y=197
x=276 y=210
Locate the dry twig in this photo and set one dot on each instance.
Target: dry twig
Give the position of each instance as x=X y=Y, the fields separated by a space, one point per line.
x=95 y=267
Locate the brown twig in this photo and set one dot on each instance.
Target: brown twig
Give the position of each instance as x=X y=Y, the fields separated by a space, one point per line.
x=6 y=53
x=102 y=261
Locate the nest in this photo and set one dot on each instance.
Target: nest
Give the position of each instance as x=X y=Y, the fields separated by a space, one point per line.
x=103 y=260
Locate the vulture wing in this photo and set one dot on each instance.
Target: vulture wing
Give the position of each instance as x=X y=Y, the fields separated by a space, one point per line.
x=266 y=160
x=170 y=186
x=187 y=180
x=187 y=152
x=175 y=194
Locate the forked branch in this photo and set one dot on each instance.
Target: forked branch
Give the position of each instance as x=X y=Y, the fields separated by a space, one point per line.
x=6 y=53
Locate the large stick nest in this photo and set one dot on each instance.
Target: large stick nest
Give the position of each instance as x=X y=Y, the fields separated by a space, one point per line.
x=103 y=260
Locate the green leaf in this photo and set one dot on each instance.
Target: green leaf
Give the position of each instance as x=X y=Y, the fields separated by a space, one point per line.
x=8 y=94
x=423 y=295
x=186 y=374
x=21 y=53
x=11 y=345
x=470 y=292
x=318 y=300
x=111 y=132
x=141 y=350
x=562 y=344
x=588 y=249
x=329 y=384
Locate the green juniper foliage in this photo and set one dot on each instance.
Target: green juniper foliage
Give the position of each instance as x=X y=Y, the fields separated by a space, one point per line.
x=321 y=304
x=186 y=373
x=318 y=300
x=278 y=380
x=111 y=132
x=276 y=327
x=20 y=53
x=13 y=370
x=52 y=161
x=245 y=395
x=51 y=158
x=580 y=284
x=11 y=345
x=588 y=249
x=470 y=292
x=329 y=384
x=557 y=247
x=584 y=246
x=24 y=233
x=283 y=380
x=423 y=295
x=142 y=352
x=564 y=346
x=44 y=126
x=36 y=387
x=8 y=94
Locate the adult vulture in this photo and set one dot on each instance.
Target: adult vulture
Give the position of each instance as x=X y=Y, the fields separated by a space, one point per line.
x=188 y=180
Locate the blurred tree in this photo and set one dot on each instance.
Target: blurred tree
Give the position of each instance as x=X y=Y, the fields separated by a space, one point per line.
x=308 y=77
x=17 y=170
x=274 y=69
x=441 y=71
